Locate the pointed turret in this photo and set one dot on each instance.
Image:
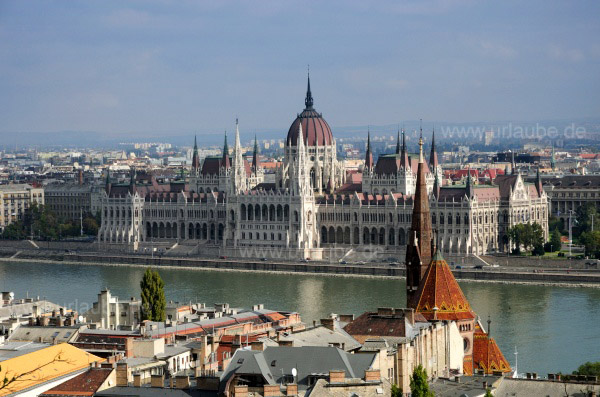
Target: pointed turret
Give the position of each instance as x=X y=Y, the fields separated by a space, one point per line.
x=308 y=101
x=553 y=159
x=195 y=157
x=239 y=167
x=369 y=156
x=255 y=164
x=433 y=157
x=420 y=241
x=398 y=143
x=225 y=162
x=404 y=161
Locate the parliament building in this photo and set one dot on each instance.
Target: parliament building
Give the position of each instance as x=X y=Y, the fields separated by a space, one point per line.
x=312 y=209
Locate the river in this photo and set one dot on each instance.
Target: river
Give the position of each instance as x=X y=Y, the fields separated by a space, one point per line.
x=553 y=328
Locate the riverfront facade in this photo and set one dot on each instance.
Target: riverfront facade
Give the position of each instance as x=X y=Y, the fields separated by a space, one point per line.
x=313 y=208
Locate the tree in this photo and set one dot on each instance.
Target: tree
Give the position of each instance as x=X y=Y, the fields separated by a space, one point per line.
x=488 y=393
x=591 y=242
x=555 y=240
x=153 y=296
x=396 y=391
x=589 y=368
x=527 y=235
x=419 y=387
x=584 y=214
x=90 y=226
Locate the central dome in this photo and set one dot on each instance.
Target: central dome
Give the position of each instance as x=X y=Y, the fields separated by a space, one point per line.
x=315 y=129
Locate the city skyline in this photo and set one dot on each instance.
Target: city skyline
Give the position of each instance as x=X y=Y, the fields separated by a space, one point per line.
x=121 y=68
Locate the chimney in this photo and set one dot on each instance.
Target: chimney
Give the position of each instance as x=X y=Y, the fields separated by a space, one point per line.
x=182 y=382
x=292 y=389
x=122 y=374
x=137 y=380
x=257 y=345
x=128 y=347
x=328 y=323
x=157 y=380
x=409 y=314
x=240 y=391
x=271 y=391
x=346 y=318
x=337 y=376
x=372 y=375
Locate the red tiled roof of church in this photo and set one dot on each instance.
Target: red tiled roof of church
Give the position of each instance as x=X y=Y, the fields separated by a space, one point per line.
x=440 y=290
x=487 y=354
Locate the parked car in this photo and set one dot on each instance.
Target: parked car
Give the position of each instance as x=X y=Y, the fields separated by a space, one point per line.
x=479 y=267
x=264 y=259
x=458 y=267
x=343 y=262
x=222 y=257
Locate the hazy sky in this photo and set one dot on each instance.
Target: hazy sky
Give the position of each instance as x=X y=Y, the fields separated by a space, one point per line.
x=192 y=66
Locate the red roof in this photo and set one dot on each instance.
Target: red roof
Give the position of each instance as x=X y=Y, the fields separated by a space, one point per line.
x=440 y=290
x=487 y=354
x=85 y=384
x=315 y=129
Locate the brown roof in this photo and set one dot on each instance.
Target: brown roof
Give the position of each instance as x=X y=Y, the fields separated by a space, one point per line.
x=486 y=353
x=85 y=384
x=371 y=324
x=440 y=290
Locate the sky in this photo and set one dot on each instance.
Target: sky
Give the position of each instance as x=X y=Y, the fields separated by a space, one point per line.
x=171 y=67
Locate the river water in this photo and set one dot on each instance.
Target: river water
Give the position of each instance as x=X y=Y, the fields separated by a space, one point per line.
x=553 y=328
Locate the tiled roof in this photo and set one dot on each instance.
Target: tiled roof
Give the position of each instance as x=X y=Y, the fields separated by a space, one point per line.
x=440 y=290
x=85 y=384
x=487 y=354
x=370 y=324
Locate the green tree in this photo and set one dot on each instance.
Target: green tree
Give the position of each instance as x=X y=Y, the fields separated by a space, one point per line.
x=556 y=223
x=153 y=296
x=526 y=235
x=396 y=391
x=591 y=242
x=488 y=393
x=14 y=231
x=90 y=226
x=584 y=214
x=419 y=387
x=555 y=240
x=589 y=368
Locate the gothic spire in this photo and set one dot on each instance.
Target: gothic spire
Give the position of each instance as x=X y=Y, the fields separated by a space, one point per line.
x=419 y=249
x=470 y=191
x=195 y=157
x=398 y=142
x=436 y=185
x=255 y=155
x=404 y=162
x=514 y=168
x=433 y=157
x=225 y=162
x=308 y=102
x=369 y=155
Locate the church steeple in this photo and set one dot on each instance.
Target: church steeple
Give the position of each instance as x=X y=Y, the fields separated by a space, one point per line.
x=420 y=239
x=308 y=101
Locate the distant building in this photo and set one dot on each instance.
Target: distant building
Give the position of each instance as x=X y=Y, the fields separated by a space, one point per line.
x=72 y=201
x=15 y=199
x=111 y=313
x=570 y=192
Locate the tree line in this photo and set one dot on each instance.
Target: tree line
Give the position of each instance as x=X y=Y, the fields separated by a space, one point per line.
x=40 y=223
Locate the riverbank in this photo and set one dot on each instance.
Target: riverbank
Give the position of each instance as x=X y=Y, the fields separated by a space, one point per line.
x=491 y=275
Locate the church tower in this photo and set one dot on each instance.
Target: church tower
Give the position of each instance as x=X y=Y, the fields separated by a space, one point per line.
x=239 y=170
x=420 y=238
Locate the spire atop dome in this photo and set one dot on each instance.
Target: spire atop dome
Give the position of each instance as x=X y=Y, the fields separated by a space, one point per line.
x=433 y=157
x=404 y=161
x=308 y=102
x=398 y=142
x=255 y=155
x=195 y=157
